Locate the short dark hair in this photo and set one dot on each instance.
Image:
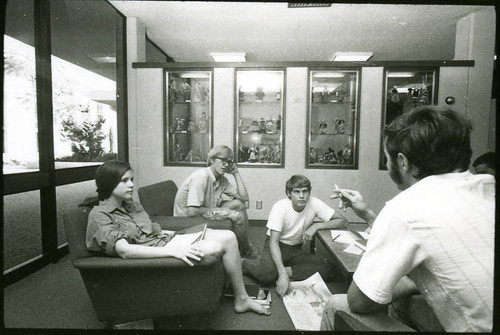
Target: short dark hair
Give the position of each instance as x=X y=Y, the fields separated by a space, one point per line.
x=297 y=181
x=489 y=158
x=435 y=140
x=108 y=176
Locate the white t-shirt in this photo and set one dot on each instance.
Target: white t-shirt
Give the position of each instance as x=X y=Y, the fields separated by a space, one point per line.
x=293 y=224
x=440 y=232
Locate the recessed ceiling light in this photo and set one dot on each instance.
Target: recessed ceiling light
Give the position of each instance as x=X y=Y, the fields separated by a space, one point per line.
x=351 y=56
x=401 y=74
x=228 y=56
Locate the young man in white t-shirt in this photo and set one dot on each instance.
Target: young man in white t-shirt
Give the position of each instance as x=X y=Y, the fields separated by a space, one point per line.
x=291 y=223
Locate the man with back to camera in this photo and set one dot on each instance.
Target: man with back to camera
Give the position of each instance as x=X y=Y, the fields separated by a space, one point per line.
x=208 y=189
x=291 y=223
x=434 y=239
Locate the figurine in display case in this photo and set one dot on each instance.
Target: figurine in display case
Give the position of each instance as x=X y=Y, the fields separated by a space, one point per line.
x=173 y=126
x=259 y=95
x=242 y=153
x=322 y=127
x=278 y=95
x=189 y=157
x=172 y=92
x=332 y=158
x=336 y=125
x=347 y=155
x=203 y=123
x=191 y=127
x=270 y=126
x=178 y=152
x=278 y=124
x=181 y=124
x=325 y=95
x=252 y=152
x=313 y=155
x=185 y=91
x=262 y=153
x=341 y=124
x=277 y=154
x=254 y=126
x=262 y=126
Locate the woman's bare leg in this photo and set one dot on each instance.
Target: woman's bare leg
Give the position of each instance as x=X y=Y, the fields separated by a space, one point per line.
x=217 y=241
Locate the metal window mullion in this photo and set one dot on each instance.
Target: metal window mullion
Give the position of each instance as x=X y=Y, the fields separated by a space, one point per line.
x=45 y=127
x=121 y=87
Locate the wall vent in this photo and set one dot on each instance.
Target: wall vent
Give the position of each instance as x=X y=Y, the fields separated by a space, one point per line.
x=308 y=4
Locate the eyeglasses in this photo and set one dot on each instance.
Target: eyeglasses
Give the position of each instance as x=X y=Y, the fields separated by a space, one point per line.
x=224 y=160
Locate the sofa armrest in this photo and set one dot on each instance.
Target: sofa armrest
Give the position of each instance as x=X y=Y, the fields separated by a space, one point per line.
x=346 y=322
x=182 y=222
x=116 y=263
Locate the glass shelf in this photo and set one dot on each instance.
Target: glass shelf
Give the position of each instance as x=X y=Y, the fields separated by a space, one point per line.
x=188 y=117
x=259 y=117
x=332 y=119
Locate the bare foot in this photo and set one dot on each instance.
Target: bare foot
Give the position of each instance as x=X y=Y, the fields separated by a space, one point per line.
x=249 y=305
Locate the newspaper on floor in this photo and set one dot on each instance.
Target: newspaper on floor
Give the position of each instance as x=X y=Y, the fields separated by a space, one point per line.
x=305 y=302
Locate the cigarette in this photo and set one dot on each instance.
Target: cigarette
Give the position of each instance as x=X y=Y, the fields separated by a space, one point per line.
x=341 y=203
x=203 y=233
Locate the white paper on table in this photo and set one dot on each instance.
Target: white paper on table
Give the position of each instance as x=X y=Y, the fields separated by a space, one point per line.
x=353 y=249
x=364 y=234
x=305 y=302
x=344 y=236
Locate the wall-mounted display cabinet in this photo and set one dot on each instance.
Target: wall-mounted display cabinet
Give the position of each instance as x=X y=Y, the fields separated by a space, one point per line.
x=259 y=118
x=332 y=119
x=404 y=90
x=188 y=117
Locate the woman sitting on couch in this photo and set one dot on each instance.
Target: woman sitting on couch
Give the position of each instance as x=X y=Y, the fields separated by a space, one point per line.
x=118 y=226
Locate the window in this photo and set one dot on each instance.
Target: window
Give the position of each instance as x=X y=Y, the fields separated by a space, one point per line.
x=20 y=148
x=63 y=108
x=84 y=82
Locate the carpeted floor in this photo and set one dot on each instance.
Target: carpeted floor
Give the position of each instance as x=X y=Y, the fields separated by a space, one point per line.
x=55 y=297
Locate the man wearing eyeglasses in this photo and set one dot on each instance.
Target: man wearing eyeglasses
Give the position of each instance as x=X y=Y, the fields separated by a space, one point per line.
x=207 y=189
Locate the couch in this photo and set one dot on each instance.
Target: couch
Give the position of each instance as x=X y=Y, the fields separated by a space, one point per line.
x=123 y=290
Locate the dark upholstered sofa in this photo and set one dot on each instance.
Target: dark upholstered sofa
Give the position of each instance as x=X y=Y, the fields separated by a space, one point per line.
x=123 y=290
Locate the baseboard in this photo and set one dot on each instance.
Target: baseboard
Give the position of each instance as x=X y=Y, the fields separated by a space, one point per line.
x=141 y=324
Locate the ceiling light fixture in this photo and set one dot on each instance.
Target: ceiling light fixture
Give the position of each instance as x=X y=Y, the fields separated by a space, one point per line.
x=308 y=4
x=228 y=56
x=401 y=74
x=351 y=56
x=328 y=75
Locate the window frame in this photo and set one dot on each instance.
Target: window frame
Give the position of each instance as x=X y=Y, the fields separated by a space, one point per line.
x=48 y=178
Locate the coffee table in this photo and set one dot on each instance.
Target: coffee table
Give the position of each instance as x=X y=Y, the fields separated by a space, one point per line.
x=334 y=253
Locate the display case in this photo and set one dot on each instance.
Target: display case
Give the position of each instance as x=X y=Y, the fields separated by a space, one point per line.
x=259 y=118
x=332 y=119
x=404 y=90
x=188 y=117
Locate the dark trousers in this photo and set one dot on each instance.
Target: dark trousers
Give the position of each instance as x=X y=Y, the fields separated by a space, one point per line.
x=303 y=264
